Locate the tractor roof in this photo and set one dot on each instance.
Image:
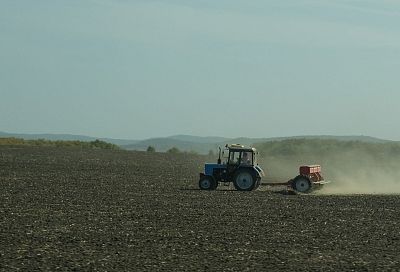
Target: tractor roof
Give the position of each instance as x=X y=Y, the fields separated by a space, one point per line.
x=239 y=147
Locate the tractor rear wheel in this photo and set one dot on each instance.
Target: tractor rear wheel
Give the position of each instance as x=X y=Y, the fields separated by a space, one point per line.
x=207 y=183
x=244 y=180
x=302 y=184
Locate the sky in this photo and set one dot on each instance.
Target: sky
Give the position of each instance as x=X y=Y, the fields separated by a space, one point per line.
x=139 y=69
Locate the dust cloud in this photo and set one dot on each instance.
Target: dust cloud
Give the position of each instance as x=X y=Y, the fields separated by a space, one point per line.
x=363 y=173
x=364 y=181
x=352 y=168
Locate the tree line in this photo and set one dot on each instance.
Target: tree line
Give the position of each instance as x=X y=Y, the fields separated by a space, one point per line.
x=97 y=144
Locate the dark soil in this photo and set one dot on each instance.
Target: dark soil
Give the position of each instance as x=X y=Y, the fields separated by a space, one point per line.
x=71 y=209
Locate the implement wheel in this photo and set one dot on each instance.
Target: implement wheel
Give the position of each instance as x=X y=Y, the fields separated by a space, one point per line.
x=207 y=183
x=245 y=180
x=302 y=184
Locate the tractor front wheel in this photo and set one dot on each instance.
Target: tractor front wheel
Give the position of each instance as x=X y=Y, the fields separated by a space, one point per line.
x=244 y=180
x=207 y=183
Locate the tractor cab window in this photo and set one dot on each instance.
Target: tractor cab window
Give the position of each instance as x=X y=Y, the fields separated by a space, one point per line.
x=234 y=157
x=241 y=157
x=247 y=158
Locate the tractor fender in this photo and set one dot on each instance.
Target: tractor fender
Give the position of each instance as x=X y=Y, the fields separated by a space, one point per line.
x=254 y=171
x=259 y=171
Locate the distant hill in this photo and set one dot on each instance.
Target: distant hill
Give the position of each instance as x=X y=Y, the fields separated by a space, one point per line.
x=204 y=144
x=65 y=137
x=198 y=144
x=199 y=139
x=366 y=139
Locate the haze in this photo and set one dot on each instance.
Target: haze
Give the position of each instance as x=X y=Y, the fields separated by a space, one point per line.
x=139 y=69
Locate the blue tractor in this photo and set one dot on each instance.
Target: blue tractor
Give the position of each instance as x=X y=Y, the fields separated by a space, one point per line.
x=239 y=166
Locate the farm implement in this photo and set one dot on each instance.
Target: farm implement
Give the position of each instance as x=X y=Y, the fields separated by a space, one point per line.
x=240 y=168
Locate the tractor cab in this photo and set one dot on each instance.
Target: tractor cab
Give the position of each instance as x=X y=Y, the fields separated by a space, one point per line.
x=238 y=154
x=237 y=165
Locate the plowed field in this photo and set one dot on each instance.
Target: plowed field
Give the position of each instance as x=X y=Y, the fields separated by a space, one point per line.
x=71 y=209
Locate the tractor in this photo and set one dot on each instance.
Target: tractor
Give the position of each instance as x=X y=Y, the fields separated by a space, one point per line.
x=239 y=167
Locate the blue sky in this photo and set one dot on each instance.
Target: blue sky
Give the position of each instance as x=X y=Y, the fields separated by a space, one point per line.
x=139 y=69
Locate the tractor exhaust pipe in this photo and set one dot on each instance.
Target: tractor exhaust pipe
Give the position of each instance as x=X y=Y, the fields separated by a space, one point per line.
x=219 y=156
